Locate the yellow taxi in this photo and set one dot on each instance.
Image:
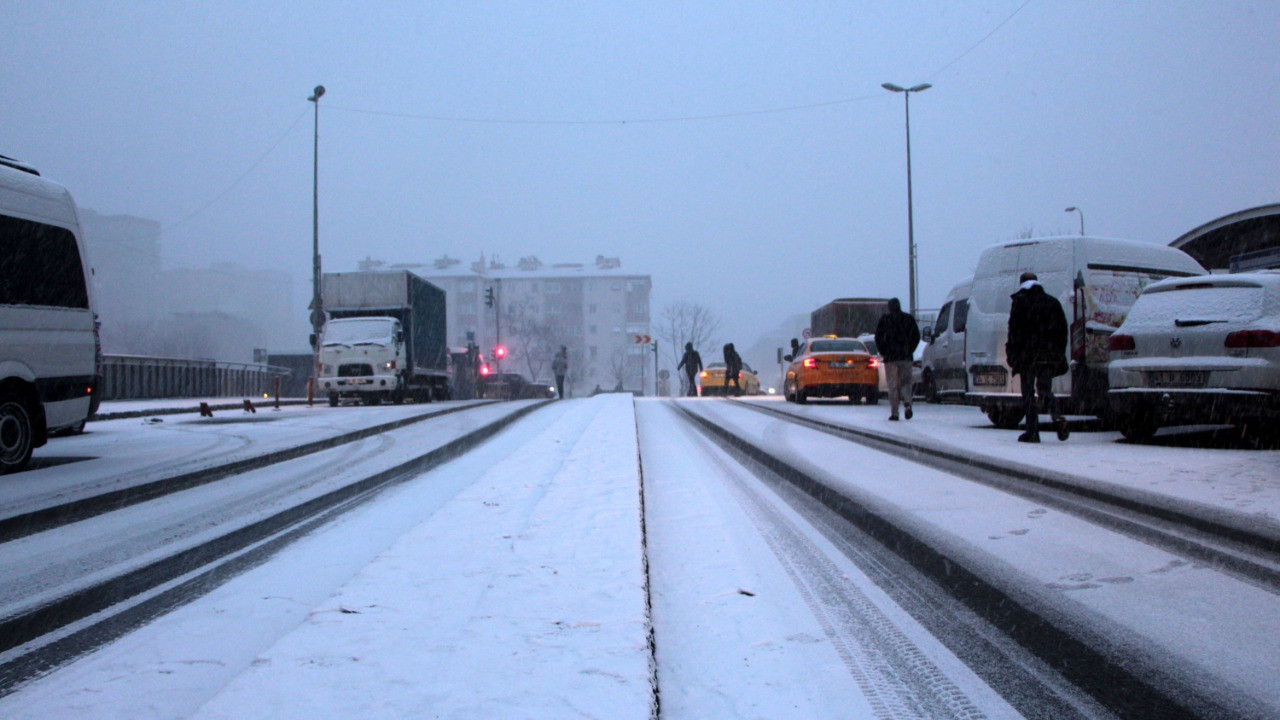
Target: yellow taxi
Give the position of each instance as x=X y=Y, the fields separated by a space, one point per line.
x=833 y=367
x=712 y=380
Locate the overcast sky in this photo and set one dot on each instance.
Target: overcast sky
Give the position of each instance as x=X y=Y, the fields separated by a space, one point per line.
x=742 y=153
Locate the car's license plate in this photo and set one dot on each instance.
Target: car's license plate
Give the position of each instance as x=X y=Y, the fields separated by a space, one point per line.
x=358 y=381
x=1178 y=378
x=840 y=364
x=990 y=378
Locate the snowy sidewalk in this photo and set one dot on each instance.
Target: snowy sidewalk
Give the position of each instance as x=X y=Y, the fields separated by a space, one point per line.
x=508 y=616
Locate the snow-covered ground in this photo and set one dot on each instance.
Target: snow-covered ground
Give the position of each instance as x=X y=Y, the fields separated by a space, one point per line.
x=511 y=582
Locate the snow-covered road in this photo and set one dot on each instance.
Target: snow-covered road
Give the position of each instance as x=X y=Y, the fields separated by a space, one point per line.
x=512 y=582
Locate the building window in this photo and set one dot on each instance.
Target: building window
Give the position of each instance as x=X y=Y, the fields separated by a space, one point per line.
x=594 y=351
x=553 y=287
x=591 y=309
x=591 y=329
x=467 y=286
x=617 y=329
x=617 y=285
x=617 y=307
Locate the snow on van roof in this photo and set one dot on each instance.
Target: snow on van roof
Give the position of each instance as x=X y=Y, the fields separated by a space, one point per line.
x=1114 y=251
x=35 y=198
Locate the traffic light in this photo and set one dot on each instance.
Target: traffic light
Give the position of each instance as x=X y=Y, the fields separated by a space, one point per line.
x=500 y=352
x=488 y=297
x=484 y=370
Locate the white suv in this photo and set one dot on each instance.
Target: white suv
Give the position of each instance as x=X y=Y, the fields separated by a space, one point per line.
x=1198 y=350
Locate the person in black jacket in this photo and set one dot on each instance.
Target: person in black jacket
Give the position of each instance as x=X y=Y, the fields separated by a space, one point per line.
x=897 y=335
x=692 y=364
x=1037 y=352
x=732 y=369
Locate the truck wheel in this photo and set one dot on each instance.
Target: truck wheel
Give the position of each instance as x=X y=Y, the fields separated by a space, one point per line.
x=15 y=434
x=333 y=399
x=1005 y=418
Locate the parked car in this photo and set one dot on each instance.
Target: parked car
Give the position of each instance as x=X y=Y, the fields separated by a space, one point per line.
x=712 y=379
x=539 y=390
x=833 y=367
x=1198 y=350
x=50 y=356
x=942 y=374
x=502 y=386
x=1096 y=279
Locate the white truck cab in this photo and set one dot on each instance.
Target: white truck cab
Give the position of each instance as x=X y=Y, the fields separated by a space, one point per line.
x=361 y=358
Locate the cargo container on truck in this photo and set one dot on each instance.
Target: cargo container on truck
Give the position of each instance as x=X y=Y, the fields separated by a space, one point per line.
x=847 y=317
x=384 y=339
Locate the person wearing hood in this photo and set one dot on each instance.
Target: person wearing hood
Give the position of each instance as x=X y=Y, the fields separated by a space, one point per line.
x=897 y=335
x=732 y=369
x=692 y=364
x=1037 y=353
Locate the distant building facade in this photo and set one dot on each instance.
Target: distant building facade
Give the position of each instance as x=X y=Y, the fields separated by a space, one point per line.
x=596 y=310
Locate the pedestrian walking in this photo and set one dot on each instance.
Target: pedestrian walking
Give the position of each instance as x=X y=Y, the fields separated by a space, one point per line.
x=897 y=335
x=691 y=362
x=560 y=368
x=1037 y=352
x=732 y=369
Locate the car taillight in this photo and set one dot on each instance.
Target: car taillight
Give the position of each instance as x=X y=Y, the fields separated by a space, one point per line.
x=872 y=362
x=810 y=363
x=1119 y=342
x=1253 y=339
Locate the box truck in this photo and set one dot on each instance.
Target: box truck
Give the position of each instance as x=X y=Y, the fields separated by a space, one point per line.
x=383 y=340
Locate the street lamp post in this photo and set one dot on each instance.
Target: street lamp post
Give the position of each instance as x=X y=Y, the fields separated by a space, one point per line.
x=317 y=299
x=1078 y=210
x=911 y=240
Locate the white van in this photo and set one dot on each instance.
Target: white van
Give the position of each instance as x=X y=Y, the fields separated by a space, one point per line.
x=49 y=357
x=942 y=375
x=1097 y=280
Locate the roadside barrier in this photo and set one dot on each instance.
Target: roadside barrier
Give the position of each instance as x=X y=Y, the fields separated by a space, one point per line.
x=138 y=377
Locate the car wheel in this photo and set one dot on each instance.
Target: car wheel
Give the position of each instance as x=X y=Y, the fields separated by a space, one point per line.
x=16 y=436
x=1137 y=427
x=1005 y=418
x=801 y=396
x=872 y=394
x=333 y=399
x=930 y=387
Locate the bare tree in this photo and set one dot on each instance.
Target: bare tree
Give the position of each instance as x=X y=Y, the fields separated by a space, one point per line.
x=532 y=339
x=687 y=322
x=621 y=367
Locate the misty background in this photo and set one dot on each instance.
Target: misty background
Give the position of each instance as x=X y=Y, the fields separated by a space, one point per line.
x=743 y=154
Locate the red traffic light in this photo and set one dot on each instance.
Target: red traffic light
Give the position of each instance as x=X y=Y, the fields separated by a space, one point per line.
x=484 y=370
x=500 y=352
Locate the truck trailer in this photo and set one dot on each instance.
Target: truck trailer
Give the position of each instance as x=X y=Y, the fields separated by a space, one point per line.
x=847 y=317
x=383 y=339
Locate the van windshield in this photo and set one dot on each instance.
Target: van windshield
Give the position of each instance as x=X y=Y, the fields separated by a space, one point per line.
x=359 y=331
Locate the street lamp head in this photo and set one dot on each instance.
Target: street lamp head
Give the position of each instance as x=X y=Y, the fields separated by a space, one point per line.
x=894 y=88
x=319 y=93
x=920 y=88
x=1070 y=209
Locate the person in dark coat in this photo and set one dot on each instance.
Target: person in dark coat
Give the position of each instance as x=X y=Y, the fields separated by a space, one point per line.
x=1037 y=352
x=692 y=364
x=897 y=335
x=560 y=368
x=732 y=369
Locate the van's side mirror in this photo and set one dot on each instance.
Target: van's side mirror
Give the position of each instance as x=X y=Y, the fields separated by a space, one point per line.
x=399 y=336
x=313 y=340
x=927 y=335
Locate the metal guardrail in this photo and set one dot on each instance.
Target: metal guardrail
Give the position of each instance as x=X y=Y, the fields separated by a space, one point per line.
x=137 y=377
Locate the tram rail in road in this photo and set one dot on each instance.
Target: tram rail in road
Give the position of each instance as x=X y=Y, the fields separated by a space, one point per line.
x=1250 y=550
x=46 y=518
x=92 y=616
x=1125 y=681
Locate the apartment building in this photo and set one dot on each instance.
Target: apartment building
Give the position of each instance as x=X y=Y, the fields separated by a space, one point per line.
x=596 y=310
